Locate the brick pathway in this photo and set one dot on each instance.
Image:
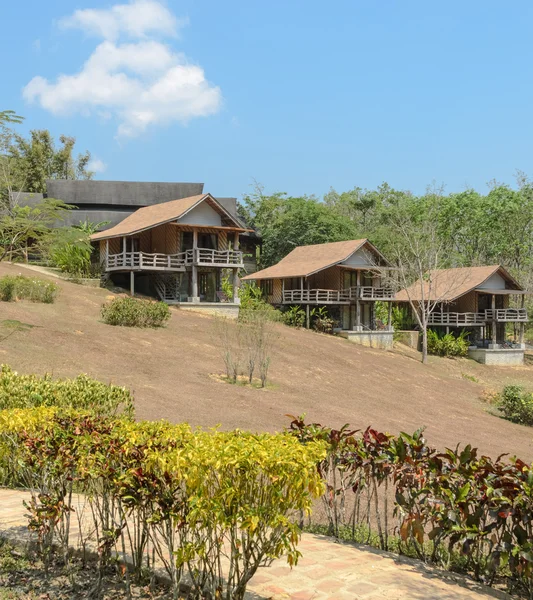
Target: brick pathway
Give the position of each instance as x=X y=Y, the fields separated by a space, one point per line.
x=327 y=570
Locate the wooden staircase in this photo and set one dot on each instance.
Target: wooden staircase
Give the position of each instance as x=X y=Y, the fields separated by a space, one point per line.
x=167 y=287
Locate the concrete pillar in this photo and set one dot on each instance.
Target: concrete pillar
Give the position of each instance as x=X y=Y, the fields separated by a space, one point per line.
x=494 y=343
x=124 y=251
x=307 y=316
x=389 y=318
x=521 y=329
x=236 y=285
x=132 y=283
x=106 y=253
x=194 y=269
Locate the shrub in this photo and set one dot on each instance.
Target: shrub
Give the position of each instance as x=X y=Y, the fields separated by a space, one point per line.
x=322 y=322
x=294 y=316
x=516 y=404
x=82 y=393
x=215 y=504
x=447 y=344
x=453 y=508
x=133 y=312
x=19 y=287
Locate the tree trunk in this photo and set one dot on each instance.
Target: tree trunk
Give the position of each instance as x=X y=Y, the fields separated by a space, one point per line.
x=424 y=345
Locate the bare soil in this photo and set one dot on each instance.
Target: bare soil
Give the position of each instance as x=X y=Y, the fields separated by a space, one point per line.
x=333 y=381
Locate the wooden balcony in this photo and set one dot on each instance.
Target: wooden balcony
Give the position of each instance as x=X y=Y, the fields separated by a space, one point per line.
x=455 y=319
x=215 y=258
x=345 y=296
x=315 y=297
x=506 y=315
x=144 y=261
x=367 y=292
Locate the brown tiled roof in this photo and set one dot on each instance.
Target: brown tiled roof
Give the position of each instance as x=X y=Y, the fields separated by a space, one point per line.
x=450 y=284
x=157 y=214
x=306 y=260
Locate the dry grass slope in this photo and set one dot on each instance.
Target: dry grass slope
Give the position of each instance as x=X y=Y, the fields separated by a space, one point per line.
x=329 y=379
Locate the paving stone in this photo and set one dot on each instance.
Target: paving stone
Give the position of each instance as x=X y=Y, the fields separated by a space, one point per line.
x=326 y=571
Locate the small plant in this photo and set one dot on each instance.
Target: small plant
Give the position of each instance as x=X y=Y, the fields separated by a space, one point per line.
x=19 y=287
x=516 y=404
x=133 y=312
x=322 y=322
x=252 y=300
x=294 y=316
x=447 y=344
x=227 y=288
x=401 y=319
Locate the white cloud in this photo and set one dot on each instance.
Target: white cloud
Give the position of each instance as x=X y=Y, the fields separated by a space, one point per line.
x=141 y=83
x=96 y=165
x=136 y=19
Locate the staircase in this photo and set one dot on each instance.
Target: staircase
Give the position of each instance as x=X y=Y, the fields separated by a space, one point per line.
x=167 y=287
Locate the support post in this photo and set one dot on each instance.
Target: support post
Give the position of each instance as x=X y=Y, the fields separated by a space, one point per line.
x=194 y=269
x=358 y=304
x=389 y=319
x=521 y=330
x=283 y=290
x=493 y=305
x=132 y=283
x=236 y=284
x=124 y=251
x=307 y=316
x=107 y=254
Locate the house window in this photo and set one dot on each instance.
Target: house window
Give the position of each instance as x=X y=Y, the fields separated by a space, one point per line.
x=267 y=287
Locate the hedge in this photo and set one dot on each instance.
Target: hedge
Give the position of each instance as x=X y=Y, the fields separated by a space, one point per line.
x=202 y=500
x=83 y=393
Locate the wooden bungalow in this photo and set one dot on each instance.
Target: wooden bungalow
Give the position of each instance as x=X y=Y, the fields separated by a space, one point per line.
x=181 y=249
x=344 y=276
x=477 y=300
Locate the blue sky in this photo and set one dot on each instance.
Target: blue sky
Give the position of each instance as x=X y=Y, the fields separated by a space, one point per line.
x=299 y=96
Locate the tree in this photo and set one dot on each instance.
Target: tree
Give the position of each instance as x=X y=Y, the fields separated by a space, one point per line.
x=37 y=159
x=419 y=251
x=23 y=225
x=10 y=185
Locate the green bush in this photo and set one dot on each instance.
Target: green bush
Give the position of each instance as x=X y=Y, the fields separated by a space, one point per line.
x=321 y=320
x=83 y=393
x=516 y=404
x=447 y=344
x=214 y=506
x=252 y=300
x=134 y=312
x=294 y=316
x=19 y=287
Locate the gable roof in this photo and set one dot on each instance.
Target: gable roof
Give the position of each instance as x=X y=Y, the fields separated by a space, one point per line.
x=303 y=261
x=450 y=284
x=158 y=214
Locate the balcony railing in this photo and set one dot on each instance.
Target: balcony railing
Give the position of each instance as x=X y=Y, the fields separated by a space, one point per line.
x=345 y=296
x=145 y=261
x=367 y=292
x=173 y=262
x=215 y=258
x=315 y=297
x=455 y=319
x=506 y=315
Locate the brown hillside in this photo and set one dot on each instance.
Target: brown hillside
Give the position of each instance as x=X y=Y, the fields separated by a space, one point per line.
x=329 y=379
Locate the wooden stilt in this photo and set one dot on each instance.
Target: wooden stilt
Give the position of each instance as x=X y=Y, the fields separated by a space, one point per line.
x=494 y=342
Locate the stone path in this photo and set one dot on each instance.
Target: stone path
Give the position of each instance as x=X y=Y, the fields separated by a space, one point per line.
x=327 y=570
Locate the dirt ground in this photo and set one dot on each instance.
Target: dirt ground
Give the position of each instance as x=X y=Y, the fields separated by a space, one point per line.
x=330 y=379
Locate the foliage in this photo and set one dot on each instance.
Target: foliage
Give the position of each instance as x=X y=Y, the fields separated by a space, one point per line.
x=401 y=318
x=81 y=393
x=227 y=287
x=38 y=158
x=321 y=320
x=252 y=300
x=134 y=312
x=19 y=287
x=294 y=316
x=69 y=249
x=22 y=225
x=516 y=404
x=448 y=344
x=286 y=222
x=453 y=508
x=200 y=499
